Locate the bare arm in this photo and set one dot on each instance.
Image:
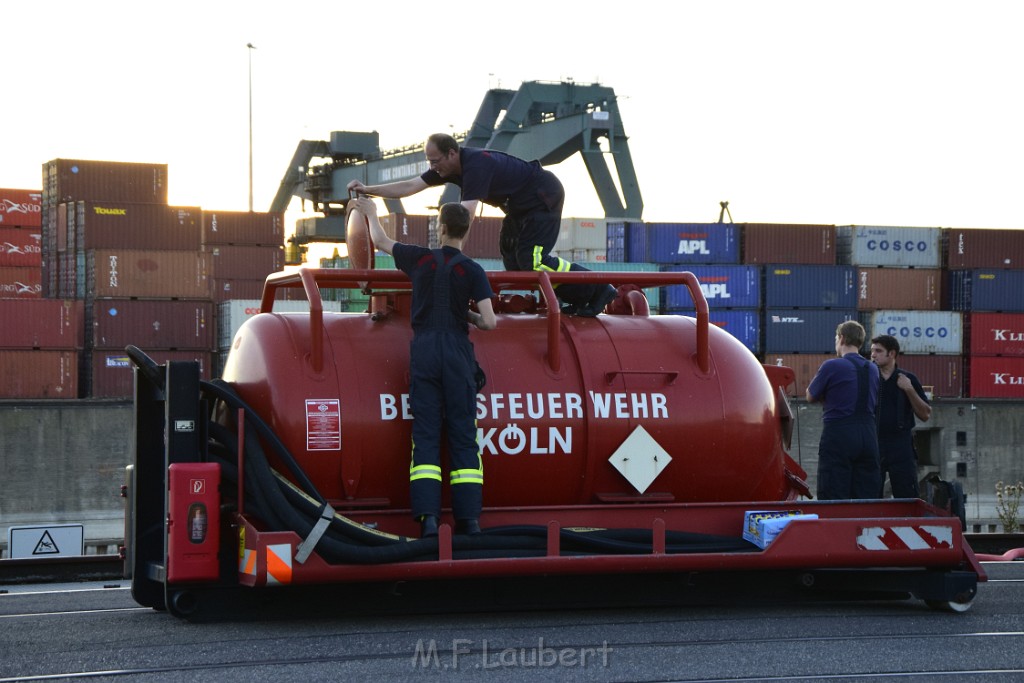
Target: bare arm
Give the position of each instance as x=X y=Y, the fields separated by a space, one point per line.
x=922 y=410
x=365 y=206
x=810 y=399
x=395 y=190
x=485 y=319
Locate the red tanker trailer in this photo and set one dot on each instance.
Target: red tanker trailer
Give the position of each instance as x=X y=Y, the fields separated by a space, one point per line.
x=626 y=443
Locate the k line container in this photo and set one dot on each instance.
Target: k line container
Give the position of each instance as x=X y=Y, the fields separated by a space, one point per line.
x=872 y=245
x=108 y=373
x=723 y=286
x=73 y=179
x=899 y=288
x=20 y=282
x=55 y=324
x=21 y=208
x=123 y=225
x=982 y=248
x=804 y=330
x=21 y=247
x=244 y=262
x=995 y=377
x=809 y=286
x=690 y=243
x=38 y=374
x=243 y=227
x=995 y=334
x=945 y=374
x=987 y=289
x=146 y=323
x=803 y=365
x=125 y=273
x=780 y=243
x=918 y=332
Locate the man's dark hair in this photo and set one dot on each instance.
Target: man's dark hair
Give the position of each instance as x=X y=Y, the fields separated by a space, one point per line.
x=888 y=342
x=456 y=218
x=445 y=143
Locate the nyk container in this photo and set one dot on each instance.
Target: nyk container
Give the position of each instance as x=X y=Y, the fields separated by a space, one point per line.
x=108 y=372
x=899 y=288
x=803 y=330
x=781 y=243
x=20 y=282
x=38 y=374
x=41 y=324
x=243 y=227
x=987 y=289
x=21 y=247
x=918 y=331
x=123 y=225
x=73 y=179
x=243 y=262
x=944 y=374
x=125 y=273
x=995 y=334
x=872 y=245
x=809 y=286
x=804 y=366
x=723 y=286
x=21 y=208
x=670 y=243
x=983 y=248
x=995 y=377
x=147 y=323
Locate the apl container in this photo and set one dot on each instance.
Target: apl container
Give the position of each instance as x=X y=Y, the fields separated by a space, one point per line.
x=995 y=334
x=723 y=287
x=919 y=331
x=20 y=208
x=803 y=330
x=982 y=248
x=116 y=323
x=804 y=286
x=21 y=247
x=872 y=245
x=780 y=243
x=987 y=290
x=41 y=324
x=691 y=243
x=899 y=288
x=995 y=377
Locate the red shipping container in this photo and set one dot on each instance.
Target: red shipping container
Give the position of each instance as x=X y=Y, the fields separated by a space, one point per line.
x=41 y=324
x=483 y=240
x=115 y=323
x=73 y=179
x=109 y=371
x=779 y=243
x=125 y=273
x=243 y=227
x=21 y=247
x=905 y=289
x=21 y=283
x=995 y=377
x=407 y=229
x=244 y=262
x=21 y=208
x=38 y=374
x=995 y=334
x=124 y=225
x=943 y=373
x=983 y=248
x=804 y=365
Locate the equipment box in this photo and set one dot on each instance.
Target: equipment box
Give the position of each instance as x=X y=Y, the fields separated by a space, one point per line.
x=760 y=527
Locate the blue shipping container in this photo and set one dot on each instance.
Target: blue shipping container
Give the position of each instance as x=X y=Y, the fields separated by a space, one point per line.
x=987 y=290
x=616 y=247
x=806 y=286
x=691 y=243
x=803 y=331
x=723 y=287
x=744 y=325
x=636 y=242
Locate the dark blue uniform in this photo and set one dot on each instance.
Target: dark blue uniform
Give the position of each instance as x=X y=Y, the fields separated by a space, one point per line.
x=896 y=437
x=442 y=392
x=532 y=200
x=848 y=463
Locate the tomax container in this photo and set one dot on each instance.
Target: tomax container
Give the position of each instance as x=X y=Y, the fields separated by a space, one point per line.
x=919 y=331
x=872 y=245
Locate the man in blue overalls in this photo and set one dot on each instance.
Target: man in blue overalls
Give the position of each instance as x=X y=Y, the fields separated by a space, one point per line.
x=442 y=392
x=848 y=463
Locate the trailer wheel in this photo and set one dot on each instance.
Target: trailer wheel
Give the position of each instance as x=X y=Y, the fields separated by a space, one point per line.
x=183 y=603
x=949 y=605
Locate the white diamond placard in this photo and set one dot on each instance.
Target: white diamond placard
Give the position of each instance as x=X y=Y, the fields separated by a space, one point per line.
x=640 y=459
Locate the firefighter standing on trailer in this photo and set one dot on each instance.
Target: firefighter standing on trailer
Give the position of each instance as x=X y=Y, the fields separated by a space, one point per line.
x=443 y=385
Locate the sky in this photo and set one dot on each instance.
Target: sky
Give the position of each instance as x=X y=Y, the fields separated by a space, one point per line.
x=868 y=113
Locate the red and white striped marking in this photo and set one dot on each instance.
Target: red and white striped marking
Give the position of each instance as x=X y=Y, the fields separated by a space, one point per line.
x=917 y=537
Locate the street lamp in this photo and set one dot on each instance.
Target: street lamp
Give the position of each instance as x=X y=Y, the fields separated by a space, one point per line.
x=251 y=48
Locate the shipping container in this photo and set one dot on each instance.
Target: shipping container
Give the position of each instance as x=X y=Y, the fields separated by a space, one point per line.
x=244 y=262
x=983 y=248
x=123 y=225
x=686 y=243
x=918 y=332
x=64 y=234
x=653 y=294
x=109 y=372
x=988 y=289
x=243 y=227
x=995 y=377
x=21 y=247
x=745 y=325
x=224 y=290
x=126 y=273
x=409 y=229
x=38 y=374
x=55 y=324
x=803 y=365
x=232 y=313
x=20 y=282
x=873 y=245
x=899 y=288
x=21 y=208
x=994 y=334
x=723 y=286
x=582 y=233
x=943 y=374
x=484 y=239
x=809 y=286
x=781 y=243
x=67 y=180
x=148 y=323
x=803 y=331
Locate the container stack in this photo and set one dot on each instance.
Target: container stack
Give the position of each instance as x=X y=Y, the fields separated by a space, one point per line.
x=20 y=244
x=243 y=249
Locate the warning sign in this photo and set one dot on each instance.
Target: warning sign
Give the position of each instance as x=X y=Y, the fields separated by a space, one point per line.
x=323 y=424
x=56 y=540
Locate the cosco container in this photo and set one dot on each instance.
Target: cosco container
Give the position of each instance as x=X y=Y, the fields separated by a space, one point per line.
x=781 y=243
x=723 y=287
x=243 y=227
x=983 y=248
x=872 y=245
x=21 y=247
x=146 y=323
x=989 y=289
x=995 y=377
x=995 y=334
x=691 y=243
x=943 y=373
x=38 y=374
x=803 y=286
x=124 y=273
x=918 y=331
x=21 y=208
x=804 y=366
x=804 y=330
x=41 y=324
x=899 y=288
